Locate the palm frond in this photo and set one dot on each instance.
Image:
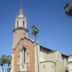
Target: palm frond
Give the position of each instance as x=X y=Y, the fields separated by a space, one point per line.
x=68 y=9
x=35 y=30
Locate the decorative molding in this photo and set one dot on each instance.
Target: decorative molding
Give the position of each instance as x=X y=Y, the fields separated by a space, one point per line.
x=20 y=28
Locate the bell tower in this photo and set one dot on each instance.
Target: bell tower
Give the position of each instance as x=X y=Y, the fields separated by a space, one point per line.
x=20 y=29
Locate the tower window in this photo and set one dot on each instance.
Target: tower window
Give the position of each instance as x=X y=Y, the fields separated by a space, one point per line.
x=24 y=55
x=23 y=23
x=17 y=23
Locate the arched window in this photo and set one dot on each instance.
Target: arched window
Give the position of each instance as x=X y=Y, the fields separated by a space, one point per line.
x=23 y=23
x=17 y=23
x=24 y=54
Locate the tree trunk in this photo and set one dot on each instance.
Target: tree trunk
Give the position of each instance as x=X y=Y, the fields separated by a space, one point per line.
x=2 y=69
x=9 y=68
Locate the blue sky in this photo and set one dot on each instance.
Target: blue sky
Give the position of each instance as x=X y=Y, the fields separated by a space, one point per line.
x=55 y=26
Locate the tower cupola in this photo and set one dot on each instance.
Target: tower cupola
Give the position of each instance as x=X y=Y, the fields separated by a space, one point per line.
x=21 y=20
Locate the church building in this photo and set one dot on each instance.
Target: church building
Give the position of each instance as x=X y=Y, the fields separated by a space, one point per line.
x=30 y=56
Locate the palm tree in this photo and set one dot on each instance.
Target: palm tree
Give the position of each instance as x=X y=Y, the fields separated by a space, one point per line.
x=8 y=62
x=68 y=9
x=35 y=31
x=1 y=64
x=2 y=61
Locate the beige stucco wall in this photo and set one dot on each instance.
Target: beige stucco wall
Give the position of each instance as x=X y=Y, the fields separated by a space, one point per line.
x=70 y=63
x=65 y=63
x=37 y=57
x=43 y=55
x=47 y=66
x=60 y=66
x=54 y=57
x=17 y=35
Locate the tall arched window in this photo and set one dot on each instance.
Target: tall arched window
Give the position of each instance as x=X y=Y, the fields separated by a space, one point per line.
x=17 y=23
x=23 y=23
x=24 y=54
